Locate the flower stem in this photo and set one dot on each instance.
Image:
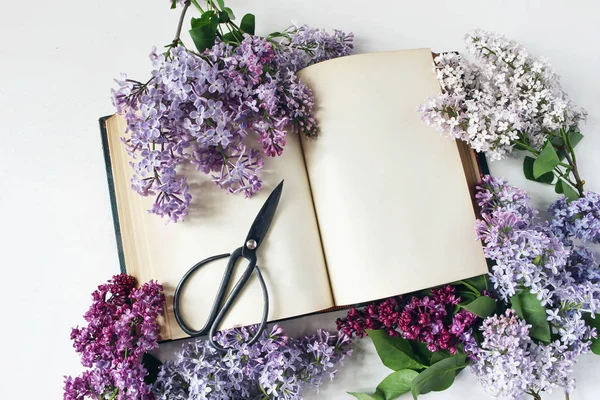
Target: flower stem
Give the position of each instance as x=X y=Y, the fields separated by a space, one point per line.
x=195 y=3
x=114 y=394
x=528 y=148
x=567 y=397
x=180 y=24
x=572 y=160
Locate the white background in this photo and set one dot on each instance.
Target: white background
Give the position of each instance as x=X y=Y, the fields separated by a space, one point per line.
x=57 y=63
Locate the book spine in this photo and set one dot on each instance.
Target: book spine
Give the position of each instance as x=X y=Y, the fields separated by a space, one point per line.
x=111 y=192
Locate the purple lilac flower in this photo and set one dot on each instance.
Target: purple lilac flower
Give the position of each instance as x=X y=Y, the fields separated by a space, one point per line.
x=529 y=255
x=212 y=110
x=428 y=320
x=577 y=219
x=310 y=45
x=526 y=253
x=121 y=329
x=494 y=194
x=509 y=364
x=277 y=366
x=565 y=277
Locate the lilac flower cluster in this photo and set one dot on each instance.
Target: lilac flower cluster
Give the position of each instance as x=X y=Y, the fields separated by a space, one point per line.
x=504 y=97
x=276 y=367
x=121 y=328
x=306 y=46
x=529 y=255
x=577 y=219
x=509 y=364
x=565 y=278
x=430 y=320
x=212 y=109
x=427 y=319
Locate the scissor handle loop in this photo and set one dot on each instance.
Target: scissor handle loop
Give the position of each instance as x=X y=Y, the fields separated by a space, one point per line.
x=218 y=313
x=215 y=326
x=213 y=312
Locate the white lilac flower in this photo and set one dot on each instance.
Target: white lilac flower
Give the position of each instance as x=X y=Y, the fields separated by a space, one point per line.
x=502 y=97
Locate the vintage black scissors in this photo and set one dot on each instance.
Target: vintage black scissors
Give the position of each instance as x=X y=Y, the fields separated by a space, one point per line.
x=220 y=308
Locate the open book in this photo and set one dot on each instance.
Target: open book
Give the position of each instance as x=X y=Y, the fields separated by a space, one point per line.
x=378 y=205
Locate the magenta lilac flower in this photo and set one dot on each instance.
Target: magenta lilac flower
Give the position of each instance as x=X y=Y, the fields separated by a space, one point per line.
x=121 y=328
x=213 y=109
x=577 y=219
x=276 y=367
x=427 y=319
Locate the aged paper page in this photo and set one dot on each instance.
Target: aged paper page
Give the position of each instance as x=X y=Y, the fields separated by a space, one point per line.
x=390 y=193
x=291 y=257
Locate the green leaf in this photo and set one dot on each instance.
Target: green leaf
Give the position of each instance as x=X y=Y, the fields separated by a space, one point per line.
x=173 y=4
x=439 y=356
x=466 y=296
x=482 y=306
x=204 y=30
x=396 y=384
x=221 y=4
x=203 y=38
x=528 y=172
x=546 y=161
x=229 y=12
x=223 y=17
x=442 y=354
x=574 y=139
x=247 y=24
x=440 y=376
x=421 y=352
x=365 y=396
x=233 y=36
x=594 y=323
x=565 y=188
x=558 y=188
x=395 y=352
x=528 y=307
x=214 y=23
x=203 y=20
x=480 y=282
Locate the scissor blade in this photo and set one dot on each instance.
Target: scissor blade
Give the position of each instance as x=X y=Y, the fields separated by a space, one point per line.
x=263 y=220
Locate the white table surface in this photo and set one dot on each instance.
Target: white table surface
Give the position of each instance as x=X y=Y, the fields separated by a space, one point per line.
x=56 y=69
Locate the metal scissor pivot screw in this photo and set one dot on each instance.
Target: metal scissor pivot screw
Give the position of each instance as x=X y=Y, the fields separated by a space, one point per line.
x=251 y=244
